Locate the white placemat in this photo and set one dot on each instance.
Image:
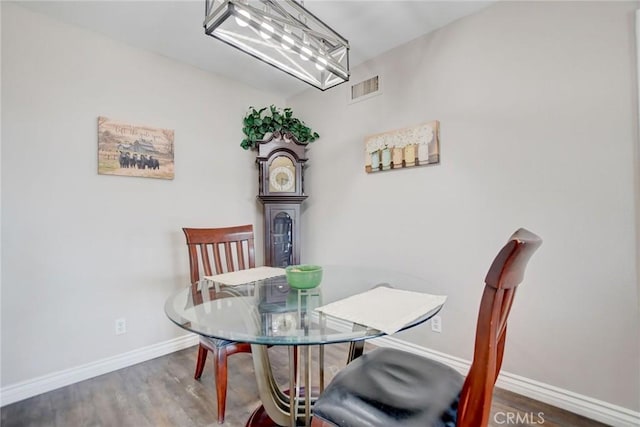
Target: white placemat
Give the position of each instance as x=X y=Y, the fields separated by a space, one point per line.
x=383 y=308
x=249 y=275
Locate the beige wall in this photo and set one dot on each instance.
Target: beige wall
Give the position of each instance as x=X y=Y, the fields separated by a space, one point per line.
x=81 y=249
x=537 y=104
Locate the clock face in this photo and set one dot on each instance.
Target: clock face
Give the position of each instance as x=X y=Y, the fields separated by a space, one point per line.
x=282 y=177
x=283 y=323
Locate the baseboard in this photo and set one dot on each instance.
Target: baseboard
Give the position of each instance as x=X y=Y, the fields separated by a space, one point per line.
x=595 y=409
x=583 y=405
x=25 y=389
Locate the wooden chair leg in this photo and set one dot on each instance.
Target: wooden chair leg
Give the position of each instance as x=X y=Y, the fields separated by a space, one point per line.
x=220 y=363
x=202 y=357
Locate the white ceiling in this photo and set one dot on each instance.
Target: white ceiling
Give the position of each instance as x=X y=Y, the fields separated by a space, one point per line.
x=174 y=29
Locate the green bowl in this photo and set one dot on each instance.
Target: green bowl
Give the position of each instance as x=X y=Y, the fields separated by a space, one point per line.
x=304 y=276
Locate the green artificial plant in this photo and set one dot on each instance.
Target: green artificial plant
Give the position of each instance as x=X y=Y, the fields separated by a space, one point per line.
x=257 y=123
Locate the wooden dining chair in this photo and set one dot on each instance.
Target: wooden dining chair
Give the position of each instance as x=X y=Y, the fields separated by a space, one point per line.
x=389 y=387
x=231 y=249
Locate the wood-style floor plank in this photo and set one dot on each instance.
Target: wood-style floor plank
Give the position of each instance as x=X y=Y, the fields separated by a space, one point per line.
x=162 y=393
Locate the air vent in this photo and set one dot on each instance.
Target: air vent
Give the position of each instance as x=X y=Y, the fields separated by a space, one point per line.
x=365 y=89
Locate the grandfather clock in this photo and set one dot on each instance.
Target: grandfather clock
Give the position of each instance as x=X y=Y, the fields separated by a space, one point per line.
x=281 y=160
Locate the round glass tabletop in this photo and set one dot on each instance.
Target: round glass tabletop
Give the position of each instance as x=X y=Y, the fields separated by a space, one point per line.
x=270 y=312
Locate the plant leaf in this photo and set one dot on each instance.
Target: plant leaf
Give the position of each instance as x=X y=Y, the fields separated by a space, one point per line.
x=255 y=126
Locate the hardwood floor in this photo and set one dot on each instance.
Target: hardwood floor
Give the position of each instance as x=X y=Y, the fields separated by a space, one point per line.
x=162 y=392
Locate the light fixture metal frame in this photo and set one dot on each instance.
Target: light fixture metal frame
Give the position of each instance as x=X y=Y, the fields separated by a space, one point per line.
x=319 y=43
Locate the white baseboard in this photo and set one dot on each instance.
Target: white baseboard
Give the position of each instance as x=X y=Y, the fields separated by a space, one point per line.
x=598 y=410
x=583 y=405
x=25 y=389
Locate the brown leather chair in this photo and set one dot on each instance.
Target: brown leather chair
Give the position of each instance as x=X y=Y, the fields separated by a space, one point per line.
x=232 y=249
x=389 y=387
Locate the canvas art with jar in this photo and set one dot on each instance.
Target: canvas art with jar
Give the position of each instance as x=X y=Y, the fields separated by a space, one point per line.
x=403 y=148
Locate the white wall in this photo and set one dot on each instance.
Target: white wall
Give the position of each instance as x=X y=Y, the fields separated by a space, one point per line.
x=82 y=249
x=0 y=192
x=538 y=117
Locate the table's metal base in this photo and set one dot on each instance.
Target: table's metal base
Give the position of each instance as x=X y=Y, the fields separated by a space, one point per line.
x=283 y=409
x=280 y=408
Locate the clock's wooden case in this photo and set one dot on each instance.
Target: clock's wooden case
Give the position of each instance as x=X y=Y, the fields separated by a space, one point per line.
x=281 y=209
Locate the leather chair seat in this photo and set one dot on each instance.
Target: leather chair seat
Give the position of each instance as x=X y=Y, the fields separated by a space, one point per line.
x=388 y=387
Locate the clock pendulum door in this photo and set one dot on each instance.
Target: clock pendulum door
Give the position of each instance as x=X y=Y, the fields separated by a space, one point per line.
x=282 y=240
x=282 y=234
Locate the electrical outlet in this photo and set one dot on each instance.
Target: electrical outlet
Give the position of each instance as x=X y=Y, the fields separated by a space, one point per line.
x=436 y=324
x=121 y=326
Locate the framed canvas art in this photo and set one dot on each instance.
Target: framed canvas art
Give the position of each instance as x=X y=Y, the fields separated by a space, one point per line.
x=134 y=150
x=403 y=148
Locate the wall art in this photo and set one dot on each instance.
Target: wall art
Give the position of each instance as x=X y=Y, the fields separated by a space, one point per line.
x=403 y=148
x=134 y=150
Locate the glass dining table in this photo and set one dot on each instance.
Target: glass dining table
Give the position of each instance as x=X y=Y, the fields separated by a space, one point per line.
x=269 y=312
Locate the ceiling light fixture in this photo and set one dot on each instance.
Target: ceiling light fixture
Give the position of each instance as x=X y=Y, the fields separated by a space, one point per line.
x=284 y=34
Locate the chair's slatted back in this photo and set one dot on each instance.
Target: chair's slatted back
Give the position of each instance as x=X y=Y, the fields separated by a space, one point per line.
x=231 y=247
x=504 y=276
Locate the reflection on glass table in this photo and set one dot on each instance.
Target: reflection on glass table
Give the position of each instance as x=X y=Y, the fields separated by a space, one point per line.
x=269 y=312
